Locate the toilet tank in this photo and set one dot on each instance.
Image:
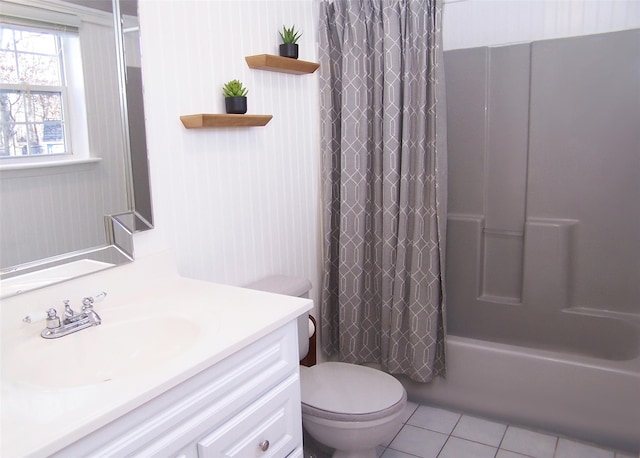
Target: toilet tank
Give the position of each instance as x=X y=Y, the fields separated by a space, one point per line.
x=289 y=286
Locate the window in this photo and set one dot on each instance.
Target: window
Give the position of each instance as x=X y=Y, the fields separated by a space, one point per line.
x=33 y=93
x=43 y=116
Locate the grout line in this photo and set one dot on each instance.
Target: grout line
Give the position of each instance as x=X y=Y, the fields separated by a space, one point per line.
x=443 y=446
x=555 y=449
x=504 y=434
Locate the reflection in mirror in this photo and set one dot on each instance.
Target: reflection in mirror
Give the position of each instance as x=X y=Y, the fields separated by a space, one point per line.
x=55 y=208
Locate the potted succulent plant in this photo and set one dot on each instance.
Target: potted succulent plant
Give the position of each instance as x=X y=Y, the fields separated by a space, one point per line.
x=289 y=46
x=235 y=100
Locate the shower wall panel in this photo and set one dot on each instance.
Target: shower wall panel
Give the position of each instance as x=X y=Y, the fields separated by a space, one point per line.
x=585 y=159
x=506 y=170
x=466 y=104
x=544 y=187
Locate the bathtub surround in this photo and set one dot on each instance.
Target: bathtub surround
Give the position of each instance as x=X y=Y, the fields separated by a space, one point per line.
x=384 y=177
x=544 y=212
x=544 y=233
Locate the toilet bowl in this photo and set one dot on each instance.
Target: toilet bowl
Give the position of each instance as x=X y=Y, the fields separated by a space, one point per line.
x=347 y=407
x=351 y=408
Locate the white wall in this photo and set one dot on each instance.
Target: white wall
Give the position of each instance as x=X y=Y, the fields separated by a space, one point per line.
x=472 y=23
x=233 y=204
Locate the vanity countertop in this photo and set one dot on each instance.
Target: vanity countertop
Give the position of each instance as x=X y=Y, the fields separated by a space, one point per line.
x=42 y=415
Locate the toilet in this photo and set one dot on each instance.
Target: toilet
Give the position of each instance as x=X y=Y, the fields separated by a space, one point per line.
x=347 y=407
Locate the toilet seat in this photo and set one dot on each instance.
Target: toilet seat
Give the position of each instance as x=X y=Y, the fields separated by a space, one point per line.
x=349 y=392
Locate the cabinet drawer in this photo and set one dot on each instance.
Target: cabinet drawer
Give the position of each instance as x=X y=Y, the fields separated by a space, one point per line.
x=267 y=428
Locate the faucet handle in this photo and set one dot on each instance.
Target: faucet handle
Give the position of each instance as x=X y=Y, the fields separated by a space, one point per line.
x=87 y=309
x=88 y=305
x=90 y=300
x=34 y=317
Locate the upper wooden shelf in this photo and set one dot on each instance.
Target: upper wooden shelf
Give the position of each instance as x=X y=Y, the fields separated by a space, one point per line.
x=281 y=64
x=224 y=120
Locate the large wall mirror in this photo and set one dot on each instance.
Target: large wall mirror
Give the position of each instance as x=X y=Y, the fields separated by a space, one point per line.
x=74 y=180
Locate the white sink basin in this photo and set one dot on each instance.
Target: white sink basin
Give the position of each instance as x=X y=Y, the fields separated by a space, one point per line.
x=98 y=354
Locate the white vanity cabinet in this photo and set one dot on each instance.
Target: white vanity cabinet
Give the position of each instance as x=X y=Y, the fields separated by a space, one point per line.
x=246 y=405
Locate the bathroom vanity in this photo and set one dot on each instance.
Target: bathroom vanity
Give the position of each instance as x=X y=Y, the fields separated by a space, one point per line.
x=178 y=367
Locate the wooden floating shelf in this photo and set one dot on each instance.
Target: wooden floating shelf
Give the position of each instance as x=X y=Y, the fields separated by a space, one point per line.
x=224 y=120
x=281 y=64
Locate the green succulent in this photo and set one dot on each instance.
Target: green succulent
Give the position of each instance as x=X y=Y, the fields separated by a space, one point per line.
x=289 y=36
x=234 y=88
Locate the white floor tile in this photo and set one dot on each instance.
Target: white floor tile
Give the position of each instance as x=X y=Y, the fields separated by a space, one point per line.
x=507 y=454
x=571 y=449
x=529 y=443
x=457 y=448
x=390 y=453
x=409 y=410
x=480 y=430
x=419 y=442
x=434 y=419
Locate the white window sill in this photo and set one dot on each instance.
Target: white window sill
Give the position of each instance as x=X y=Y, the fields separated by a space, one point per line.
x=47 y=167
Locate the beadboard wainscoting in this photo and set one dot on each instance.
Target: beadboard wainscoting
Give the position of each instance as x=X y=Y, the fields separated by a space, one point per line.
x=235 y=204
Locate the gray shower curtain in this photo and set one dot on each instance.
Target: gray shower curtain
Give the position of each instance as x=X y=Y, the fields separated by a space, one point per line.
x=384 y=184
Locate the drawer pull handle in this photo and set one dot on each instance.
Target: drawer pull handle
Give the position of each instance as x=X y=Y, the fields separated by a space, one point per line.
x=264 y=445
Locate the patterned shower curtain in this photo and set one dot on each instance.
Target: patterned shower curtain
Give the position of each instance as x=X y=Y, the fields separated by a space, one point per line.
x=384 y=184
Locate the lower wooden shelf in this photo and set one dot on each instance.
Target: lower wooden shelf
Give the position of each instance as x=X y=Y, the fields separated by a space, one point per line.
x=196 y=121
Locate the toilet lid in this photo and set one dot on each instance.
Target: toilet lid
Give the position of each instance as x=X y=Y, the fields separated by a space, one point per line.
x=349 y=389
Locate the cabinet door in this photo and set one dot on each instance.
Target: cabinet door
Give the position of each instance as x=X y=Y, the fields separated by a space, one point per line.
x=269 y=427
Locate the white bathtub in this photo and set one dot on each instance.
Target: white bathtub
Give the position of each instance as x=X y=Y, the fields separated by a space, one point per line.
x=585 y=397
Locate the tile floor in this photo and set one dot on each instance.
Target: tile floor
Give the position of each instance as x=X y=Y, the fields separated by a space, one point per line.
x=430 y=432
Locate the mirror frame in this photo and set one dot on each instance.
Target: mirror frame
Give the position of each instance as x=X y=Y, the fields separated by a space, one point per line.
x=120 y=227
x=139 y=223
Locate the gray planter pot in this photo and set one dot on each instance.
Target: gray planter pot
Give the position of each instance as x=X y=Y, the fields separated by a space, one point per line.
x=235 y=105
x=289 y=50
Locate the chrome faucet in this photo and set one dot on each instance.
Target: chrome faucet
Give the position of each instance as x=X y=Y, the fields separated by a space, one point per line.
x=72 y=321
